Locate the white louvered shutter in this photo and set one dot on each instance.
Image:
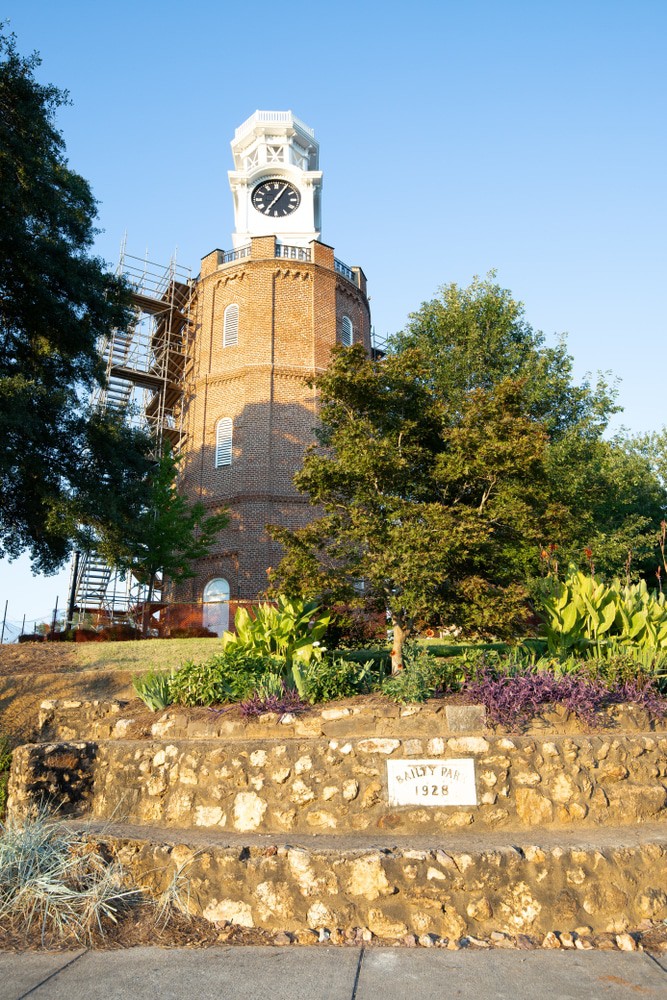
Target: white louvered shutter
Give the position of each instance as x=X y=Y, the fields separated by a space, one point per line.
x=230 y=333
x=223 y=443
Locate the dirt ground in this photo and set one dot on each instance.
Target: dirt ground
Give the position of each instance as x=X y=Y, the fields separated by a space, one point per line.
x=38 y=657
x=139 y=926
x=67 y=657
x=34 y=671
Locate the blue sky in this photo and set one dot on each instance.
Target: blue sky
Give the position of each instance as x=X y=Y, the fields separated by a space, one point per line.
x=455 y=138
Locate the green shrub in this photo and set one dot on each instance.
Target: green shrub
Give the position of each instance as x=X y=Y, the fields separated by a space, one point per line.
x=422 y=676
x=378 y=659
x=199 y=684
x=336 y=677
x=474 y=664
x=227 y=677
x=154 y=689
x=478 y=660
x=436 y=648
x=270 y=685
x=623 y=664
x=583 y=612
x=619 y=665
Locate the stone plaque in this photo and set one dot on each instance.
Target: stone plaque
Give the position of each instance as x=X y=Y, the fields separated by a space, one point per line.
x=432 y=782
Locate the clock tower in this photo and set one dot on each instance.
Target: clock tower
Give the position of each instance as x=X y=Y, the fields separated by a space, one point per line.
x=276 y=184
x=265 y=317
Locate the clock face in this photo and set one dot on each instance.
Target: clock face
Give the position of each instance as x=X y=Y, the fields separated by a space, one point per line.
x=275 y=198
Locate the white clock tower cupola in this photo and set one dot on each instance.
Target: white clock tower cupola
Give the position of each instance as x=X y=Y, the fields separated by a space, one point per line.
x=276 y=183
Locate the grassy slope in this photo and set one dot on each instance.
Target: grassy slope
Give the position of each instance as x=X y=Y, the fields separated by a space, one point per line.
x=149 y=654
x=32 y=672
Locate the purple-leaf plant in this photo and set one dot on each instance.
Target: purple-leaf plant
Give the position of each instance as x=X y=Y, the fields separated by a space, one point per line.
x=515 y=698
x=286 y=702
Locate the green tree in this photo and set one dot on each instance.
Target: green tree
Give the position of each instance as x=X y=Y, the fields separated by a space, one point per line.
x=166 y=536
x=476 y=336
x=600 y=493
x=429 y=504
x=447 y=468
x=652 y=449
x=611 y=501
x=56 y=463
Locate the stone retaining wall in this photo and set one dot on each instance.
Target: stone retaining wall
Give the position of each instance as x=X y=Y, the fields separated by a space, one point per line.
x=73 y=719
x=326 y=785
x=21 y=694
x=585 y=810
x=516 y=890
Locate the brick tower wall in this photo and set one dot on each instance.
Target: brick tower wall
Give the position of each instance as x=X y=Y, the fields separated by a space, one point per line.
x=290 y=316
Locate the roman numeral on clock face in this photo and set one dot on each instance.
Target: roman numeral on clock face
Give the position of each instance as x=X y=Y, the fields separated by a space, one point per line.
x=275 y=198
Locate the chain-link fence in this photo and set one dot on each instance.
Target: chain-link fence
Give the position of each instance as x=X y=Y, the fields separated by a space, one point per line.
x=161 y=620
x=13 y=627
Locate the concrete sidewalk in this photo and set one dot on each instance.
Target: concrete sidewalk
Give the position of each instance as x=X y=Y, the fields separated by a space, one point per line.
x=258 y=973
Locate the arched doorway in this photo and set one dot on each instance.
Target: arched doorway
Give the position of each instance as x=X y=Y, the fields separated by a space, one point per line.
x=216 y=605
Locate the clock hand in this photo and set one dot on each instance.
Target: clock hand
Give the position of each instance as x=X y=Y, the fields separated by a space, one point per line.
x=282 y=191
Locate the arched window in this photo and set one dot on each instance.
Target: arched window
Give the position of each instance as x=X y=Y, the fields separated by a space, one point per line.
x=347 y=332
x=223 y=442
x=216 y=605
x=230 y=330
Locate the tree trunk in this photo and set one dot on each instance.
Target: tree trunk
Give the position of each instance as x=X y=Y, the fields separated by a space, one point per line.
x=400 y=635
x=147 y=603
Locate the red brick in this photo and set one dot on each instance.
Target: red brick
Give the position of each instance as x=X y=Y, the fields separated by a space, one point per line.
x=290 y=315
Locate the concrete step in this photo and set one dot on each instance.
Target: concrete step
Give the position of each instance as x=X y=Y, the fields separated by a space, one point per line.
x=458 y=883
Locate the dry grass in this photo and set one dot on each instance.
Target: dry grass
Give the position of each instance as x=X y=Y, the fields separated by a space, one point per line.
x=54 y=882
x=61 y=889
x=147 y=654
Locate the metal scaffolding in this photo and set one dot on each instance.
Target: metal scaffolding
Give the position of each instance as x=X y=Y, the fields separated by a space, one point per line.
x=145 y=368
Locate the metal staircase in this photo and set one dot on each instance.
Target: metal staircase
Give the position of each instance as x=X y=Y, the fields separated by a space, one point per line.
x=145 y=365
x=91 y=583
